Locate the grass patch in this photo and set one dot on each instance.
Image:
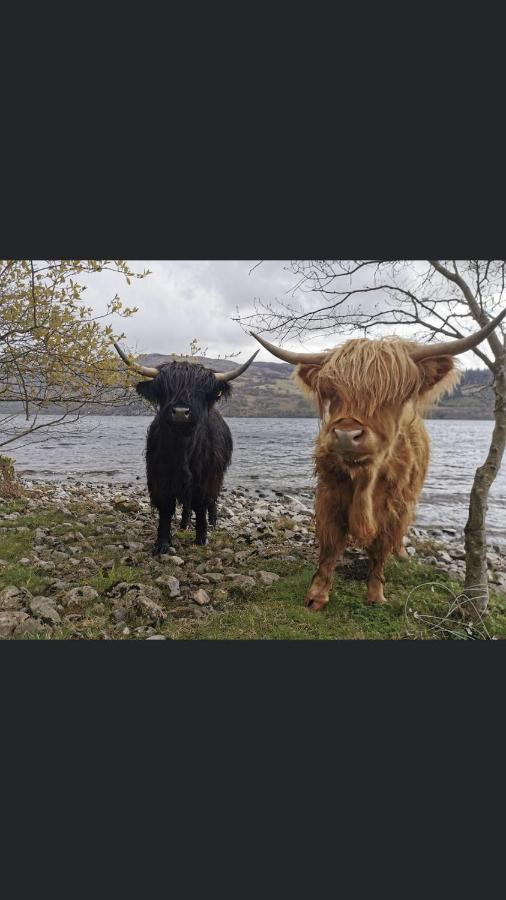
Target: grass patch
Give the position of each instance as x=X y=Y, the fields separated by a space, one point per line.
x=262 y=613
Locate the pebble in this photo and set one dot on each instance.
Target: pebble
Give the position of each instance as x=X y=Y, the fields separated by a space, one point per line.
x=200 y=597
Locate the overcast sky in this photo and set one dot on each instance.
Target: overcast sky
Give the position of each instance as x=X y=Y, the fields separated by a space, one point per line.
x=182 y=300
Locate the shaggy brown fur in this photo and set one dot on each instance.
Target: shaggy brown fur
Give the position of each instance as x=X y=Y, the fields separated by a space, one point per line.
x=370 y=496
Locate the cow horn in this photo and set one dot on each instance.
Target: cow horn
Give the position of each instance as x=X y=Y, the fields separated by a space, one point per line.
x=453 y=348
x=144 y=370
x=229 y=376
x=289 y=356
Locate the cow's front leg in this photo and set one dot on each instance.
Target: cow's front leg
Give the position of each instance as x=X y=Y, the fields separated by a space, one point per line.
x=331 y=537
x=200 y=522
x=186 y=516
x=212 y=511
x=163 y=541
x=378 y=553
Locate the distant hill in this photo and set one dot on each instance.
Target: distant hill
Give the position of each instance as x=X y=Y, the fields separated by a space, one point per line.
x=267 y=390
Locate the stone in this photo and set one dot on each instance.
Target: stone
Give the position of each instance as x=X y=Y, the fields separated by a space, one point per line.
x=125 y=504
x=12 y=597
x=169 y=582
x=200 y=597
x=148 y=609
x=129 y=595
x=9 y=620
x=120 y=614
x=176 y=560
x=79 y=596
x=129 y=560
x=443 y=556
x=45 y=565
x=30 y=627
x=156 y=637
x=268 y=578
x=42 y=608
x=242 y=556
x=243 y=581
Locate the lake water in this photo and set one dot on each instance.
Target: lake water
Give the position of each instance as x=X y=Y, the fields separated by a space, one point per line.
x=269 y=454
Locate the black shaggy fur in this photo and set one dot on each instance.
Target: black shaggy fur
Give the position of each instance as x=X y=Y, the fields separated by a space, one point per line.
x=186 y=460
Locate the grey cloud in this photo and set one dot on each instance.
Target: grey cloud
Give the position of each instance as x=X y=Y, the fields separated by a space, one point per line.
x=186 y=299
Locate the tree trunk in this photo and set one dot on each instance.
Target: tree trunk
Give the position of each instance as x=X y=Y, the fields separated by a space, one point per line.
x=476 y=583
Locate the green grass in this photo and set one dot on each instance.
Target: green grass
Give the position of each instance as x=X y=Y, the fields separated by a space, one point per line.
x=277 y=613
x=263 y=613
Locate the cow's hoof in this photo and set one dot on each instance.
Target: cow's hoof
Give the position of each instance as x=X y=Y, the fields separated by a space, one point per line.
x=201 y=539
x=402 y=553
x=160 y=547
x=375 y=601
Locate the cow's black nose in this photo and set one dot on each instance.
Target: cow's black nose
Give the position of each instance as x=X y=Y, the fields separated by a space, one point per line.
x=180 y=413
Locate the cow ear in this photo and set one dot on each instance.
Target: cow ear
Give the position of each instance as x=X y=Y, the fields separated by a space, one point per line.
x=220 y=392
x=307 y=374
x=146 y=389
x=439 y=374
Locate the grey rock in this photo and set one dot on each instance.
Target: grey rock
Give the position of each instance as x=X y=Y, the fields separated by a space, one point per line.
x=125 y=504
x=44 y=609
x=120 y=614
x=9 y=620
x=200 y=579
x=171 y=583
x=156 y=637
x=30 y=627
x=242 y=556
x=268 y=578
x=457 y=553
x=44 y=565
x=443 y=556
x=200 y=597
x=175 y=560
x=243 y=581
x=79 y=596
x=148 y=609
x=12 y=597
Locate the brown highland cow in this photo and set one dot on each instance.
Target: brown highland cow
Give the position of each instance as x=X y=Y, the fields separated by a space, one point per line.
x=372 y=451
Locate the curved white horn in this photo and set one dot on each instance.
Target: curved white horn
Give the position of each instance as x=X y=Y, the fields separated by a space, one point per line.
x=144 y=370
x=289 y=356
x=229 y=376
x=453 y=348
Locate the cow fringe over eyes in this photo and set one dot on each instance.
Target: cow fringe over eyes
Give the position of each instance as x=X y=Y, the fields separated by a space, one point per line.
x=375 y=374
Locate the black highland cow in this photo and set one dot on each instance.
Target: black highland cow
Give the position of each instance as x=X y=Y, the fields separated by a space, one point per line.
x=189 y=445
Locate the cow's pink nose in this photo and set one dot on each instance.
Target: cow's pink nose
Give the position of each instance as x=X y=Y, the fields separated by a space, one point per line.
x=348 y=440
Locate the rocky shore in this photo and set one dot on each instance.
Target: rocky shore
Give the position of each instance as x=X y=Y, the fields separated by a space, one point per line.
x=96 y=530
